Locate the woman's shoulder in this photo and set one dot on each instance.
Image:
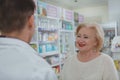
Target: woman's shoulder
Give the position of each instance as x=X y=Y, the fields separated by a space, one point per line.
x=106 y=58
x=69 y=58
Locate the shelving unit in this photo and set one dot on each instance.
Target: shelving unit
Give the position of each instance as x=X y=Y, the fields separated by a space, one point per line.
x=67 y=44
x=67 y=38
x=115 y=48
x=54 y=37
x=46 y=37
x=46 y=40
x=110 y=30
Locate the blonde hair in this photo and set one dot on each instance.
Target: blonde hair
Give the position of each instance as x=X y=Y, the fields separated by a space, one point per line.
x=99 y=33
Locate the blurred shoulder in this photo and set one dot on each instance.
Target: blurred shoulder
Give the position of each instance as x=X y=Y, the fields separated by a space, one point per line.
x=70 y=57
x=106 y=58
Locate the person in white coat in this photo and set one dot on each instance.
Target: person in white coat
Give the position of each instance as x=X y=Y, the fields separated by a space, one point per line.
x=89 y=63
x=18 y=61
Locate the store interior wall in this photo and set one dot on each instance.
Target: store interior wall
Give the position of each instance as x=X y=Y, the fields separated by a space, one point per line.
x=97 y=14
x=118 y=27
x=114 y=12
x=103 y=14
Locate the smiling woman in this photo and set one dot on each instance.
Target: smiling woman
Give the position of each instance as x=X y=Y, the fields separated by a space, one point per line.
x=89 y=63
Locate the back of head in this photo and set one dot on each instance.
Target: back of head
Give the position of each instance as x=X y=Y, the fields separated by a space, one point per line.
x=14 y=14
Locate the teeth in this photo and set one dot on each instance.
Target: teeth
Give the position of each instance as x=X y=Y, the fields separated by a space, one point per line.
x=81 y=45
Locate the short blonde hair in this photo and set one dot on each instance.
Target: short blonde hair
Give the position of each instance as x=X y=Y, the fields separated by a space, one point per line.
x=99 y=33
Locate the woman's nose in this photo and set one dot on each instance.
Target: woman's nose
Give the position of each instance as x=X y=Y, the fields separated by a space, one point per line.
x=80 y=39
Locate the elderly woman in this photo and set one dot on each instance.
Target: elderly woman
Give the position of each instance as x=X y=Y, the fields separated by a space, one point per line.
x=89 y=63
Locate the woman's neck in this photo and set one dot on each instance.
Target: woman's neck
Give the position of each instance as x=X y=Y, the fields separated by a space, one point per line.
x=87 y=56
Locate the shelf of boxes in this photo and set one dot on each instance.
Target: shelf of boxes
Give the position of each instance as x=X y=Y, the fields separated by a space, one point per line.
x=67 y=38
x=54 y=37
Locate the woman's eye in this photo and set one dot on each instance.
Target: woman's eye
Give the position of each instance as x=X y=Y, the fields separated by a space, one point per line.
x=78 y=36
x=85 y=37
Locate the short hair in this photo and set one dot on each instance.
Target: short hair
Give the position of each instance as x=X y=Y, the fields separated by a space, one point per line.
x=14 y=14
x=99 y=33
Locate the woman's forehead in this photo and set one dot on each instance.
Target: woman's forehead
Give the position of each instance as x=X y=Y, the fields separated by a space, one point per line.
x=87 y=31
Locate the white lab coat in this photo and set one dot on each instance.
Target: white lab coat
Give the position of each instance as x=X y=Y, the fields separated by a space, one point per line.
x=18 y=61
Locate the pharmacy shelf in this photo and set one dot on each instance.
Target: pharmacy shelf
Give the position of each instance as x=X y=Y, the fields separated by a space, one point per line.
x=47 y=42
x=49 y=53
x=67 y=31
x=49 y=32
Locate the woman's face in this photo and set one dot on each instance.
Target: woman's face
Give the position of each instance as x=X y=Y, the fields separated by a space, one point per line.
x=85 y=39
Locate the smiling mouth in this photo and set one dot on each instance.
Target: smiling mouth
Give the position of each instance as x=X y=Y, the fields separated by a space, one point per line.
x=81 y=45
